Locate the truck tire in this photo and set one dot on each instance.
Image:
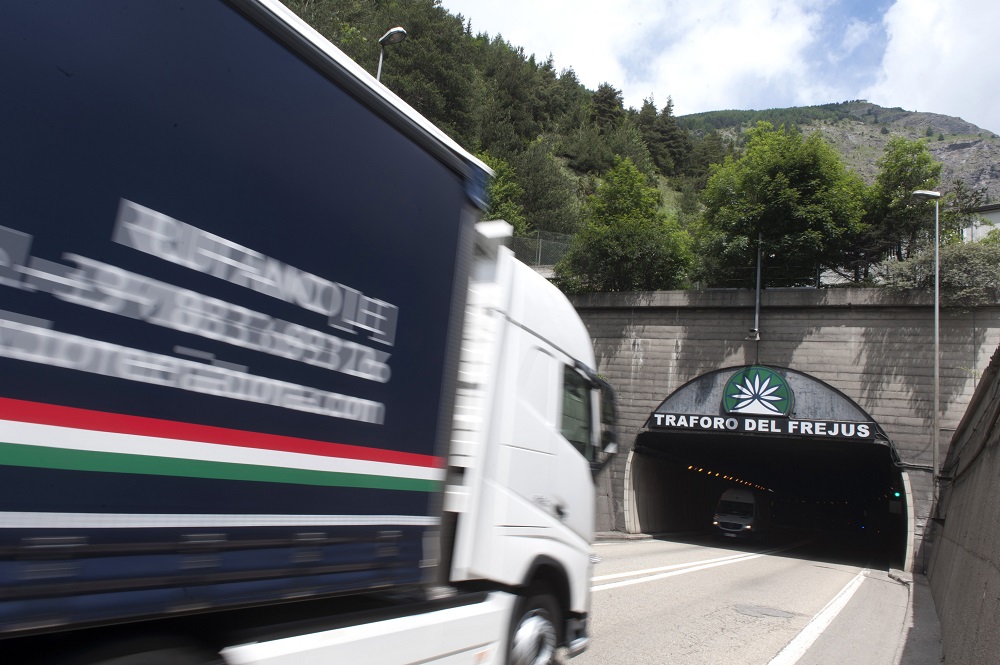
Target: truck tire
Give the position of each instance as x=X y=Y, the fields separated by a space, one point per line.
x=534 y=630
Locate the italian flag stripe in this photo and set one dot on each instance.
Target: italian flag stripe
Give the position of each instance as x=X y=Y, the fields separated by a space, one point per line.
x=85 y=460
x=80 y=440
x=101 y=421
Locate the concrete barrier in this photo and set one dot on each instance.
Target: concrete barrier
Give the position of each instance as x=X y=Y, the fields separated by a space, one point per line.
x=964 y=542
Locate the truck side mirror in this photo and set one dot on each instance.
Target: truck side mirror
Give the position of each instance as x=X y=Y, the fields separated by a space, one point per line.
x=609 y=443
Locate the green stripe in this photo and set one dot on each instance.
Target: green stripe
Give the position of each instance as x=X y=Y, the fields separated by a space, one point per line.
x=83 y=460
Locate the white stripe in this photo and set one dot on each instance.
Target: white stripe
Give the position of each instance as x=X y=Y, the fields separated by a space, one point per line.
x=686 y=568
x=70 y=438
x=649 y=571
x=797 y=648
x=131 y=520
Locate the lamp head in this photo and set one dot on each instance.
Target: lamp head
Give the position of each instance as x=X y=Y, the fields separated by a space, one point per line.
x=393 y=36
x=926 y=194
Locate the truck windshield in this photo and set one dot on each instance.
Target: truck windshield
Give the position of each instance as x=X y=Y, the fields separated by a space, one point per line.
x=736 y=508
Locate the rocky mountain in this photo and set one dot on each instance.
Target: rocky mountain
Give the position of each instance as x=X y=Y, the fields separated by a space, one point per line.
x=859 y=130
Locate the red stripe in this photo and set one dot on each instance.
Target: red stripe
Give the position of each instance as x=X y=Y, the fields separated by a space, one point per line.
x=100 y=421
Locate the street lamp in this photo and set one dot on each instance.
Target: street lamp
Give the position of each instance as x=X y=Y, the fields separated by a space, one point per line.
x=926 y=195
x=393 y=36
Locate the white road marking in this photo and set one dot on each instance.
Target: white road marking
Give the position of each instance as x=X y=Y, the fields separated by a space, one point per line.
x=795 y=649
x=653 y=574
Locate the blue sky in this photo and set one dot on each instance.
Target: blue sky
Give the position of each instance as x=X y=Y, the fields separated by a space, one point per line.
x=708 y=55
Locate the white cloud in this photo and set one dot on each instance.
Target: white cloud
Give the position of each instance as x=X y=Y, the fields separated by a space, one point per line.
x=724 y=55
x=857 y=33
x=567 y=31
x=708 y=55
x=940 y=58
x=740 y=54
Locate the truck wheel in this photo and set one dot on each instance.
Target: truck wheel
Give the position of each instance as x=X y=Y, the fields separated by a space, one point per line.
x=534 y=631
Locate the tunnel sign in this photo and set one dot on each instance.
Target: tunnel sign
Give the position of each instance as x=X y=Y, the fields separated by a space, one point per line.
x=763 y=425
x=757 y=390
x=758 y=400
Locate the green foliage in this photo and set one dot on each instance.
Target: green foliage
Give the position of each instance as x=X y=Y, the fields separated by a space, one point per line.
x=549 y=193
x=626 y=141
x=970 y=274
x=705 y=123
x=627 y=243
x=432 y=69
x=957 y=210
x=992 y=238
x=896 y=223
x=792 y=193
x=519 y=97
x=706 y=152
x=340 y=23
x=607 y=108
x=504 y=195
x=652 y=131
x=678 y=140
x=587 y=151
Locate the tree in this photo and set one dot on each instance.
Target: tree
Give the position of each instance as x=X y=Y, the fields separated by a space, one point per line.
x=627 y=244
x=896 y=223
x=651 y=129
x=794 y=194
x=706 y=151
x=970 y=274
x=587 y=150
x=433 y=69
x=957 y=213
x=344 y=22
x=549 y=194
x=677 y=141
x=607 y=107
x=512 y=113
x=503 y=195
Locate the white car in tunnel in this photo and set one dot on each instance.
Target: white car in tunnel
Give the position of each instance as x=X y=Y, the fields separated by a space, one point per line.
x=741 y=513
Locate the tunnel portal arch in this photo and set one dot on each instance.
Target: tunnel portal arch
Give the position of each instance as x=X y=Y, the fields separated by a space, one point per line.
x=820 y=461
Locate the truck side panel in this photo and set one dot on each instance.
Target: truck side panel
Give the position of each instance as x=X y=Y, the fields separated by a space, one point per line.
x=224 y=319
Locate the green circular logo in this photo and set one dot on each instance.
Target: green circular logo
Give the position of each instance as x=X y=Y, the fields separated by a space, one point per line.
x=757 y=390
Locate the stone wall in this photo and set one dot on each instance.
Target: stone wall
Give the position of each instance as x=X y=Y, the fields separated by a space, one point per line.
x=874 y=345
x=964 y=571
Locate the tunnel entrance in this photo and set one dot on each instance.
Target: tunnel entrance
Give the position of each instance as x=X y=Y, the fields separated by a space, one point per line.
x=815 y=461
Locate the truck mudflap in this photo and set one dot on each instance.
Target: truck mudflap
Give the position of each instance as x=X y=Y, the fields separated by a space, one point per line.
x=475 y=634
x=577 y=636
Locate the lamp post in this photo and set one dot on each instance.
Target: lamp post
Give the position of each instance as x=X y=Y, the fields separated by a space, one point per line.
x=926 y=195
x=393 y=36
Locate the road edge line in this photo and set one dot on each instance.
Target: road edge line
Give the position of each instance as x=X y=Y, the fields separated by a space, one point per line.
x=797 y=648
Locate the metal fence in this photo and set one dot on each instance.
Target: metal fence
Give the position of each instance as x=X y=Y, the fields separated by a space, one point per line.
x=542 y=248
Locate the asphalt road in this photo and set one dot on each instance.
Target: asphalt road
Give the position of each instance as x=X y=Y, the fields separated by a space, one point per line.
x=791 y=600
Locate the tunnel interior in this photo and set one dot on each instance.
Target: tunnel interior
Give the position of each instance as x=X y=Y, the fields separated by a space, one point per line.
x=817 y=463
x=847 y=494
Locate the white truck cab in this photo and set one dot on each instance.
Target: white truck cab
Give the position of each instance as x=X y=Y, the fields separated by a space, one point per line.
x=532 y=420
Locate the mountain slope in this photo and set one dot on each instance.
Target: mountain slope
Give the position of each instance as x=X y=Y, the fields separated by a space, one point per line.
x=860 y=130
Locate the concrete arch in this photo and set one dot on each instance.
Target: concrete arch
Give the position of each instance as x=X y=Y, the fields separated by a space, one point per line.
x=820 y=462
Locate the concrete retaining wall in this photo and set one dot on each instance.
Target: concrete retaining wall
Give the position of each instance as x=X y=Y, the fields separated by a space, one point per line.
x=964 y=571
x=873 y=345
